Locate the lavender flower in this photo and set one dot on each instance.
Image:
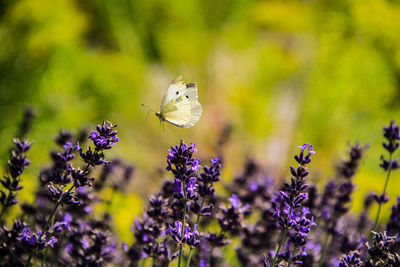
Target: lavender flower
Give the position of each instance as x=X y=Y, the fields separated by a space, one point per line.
x=184 y=236
x=181 y=162
x=11 y=248
x=16 y=165
x=351 y=260
x=59 y=227
x=57 y=194
x=336 y=198
x=93 y=249
x=26 y=123
x=231 y=218
x=294 y=219
x=184 y=167
x=209 y=176
x=393 y=226
x=381 y=251
x=105 y=136
x=391 y=134
x=36 y=241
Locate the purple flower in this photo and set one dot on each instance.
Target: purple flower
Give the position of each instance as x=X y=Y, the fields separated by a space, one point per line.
x=294 y=219
x=181 y=162
x=93 y=158
x=105 y=136
x=16 y=165
x=231 y=219
x=56 y=193
x=176 y=232
x=191 y=189
x=208 y=177
x=235 y=202
x=391 y=134
x=32 y=239
x=351 y=260
x=80 y=178
x=189 y=238
x=301 y=159
x=65 y=223
x=393 y=225
x=382 y=250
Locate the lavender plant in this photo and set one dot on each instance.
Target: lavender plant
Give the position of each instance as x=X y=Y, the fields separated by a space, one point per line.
x=188 y=222
x=391 y=134
x=294 y=218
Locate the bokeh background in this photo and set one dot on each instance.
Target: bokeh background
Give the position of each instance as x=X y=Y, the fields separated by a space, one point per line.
x=277 y=73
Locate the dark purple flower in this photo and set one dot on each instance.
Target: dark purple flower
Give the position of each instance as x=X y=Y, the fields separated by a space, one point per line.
x=80 y=178
x=208 y=177
x=393 y=225
x=382 y=250
x=231 y=219
x=181 y=162
x=105 y=136
x=93 y=158
x=32 y=239
x=56 y=193
x=16 y=165
x=391 y=133
x=217 y=240
x=294 y=219
x=351 y=260
x=301 y=159
x=65 y=223
x=188 y=237
x=26 y=124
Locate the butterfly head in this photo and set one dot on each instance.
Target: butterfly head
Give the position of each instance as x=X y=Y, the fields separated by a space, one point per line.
x=160 y=116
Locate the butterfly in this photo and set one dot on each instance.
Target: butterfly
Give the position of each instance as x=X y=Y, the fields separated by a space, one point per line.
x=179 y=105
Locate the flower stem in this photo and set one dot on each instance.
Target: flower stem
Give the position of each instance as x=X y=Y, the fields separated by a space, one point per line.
x=197 y=222
x=376 y=224
x=47 y=248
x=28 y=262
x=183 y=227
x=279 y=246
x=328 y=240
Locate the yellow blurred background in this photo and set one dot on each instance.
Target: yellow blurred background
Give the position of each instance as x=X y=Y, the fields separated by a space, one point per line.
x=280 y=73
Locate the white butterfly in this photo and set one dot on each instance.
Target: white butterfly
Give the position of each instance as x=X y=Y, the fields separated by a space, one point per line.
x=179 y=105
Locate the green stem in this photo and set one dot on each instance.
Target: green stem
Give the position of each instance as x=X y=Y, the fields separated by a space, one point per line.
x=197 y=222
x=279 y=246
x=28 y=262
x=183 y=227
x=376 y=224
x=328 y=240
x=282 y=240
x=47 y=248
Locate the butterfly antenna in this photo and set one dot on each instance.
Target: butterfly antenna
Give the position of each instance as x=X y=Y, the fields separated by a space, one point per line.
x=148 y=112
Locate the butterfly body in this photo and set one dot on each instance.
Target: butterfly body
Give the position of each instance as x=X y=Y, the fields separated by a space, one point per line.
x=180 y=105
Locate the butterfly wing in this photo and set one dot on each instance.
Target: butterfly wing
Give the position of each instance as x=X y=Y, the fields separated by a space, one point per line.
x=174 y=91
x=177 y=112
x=195 y=108
x=180 y=104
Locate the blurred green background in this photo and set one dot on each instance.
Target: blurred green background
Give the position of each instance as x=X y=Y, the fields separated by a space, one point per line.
x=280 y=73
